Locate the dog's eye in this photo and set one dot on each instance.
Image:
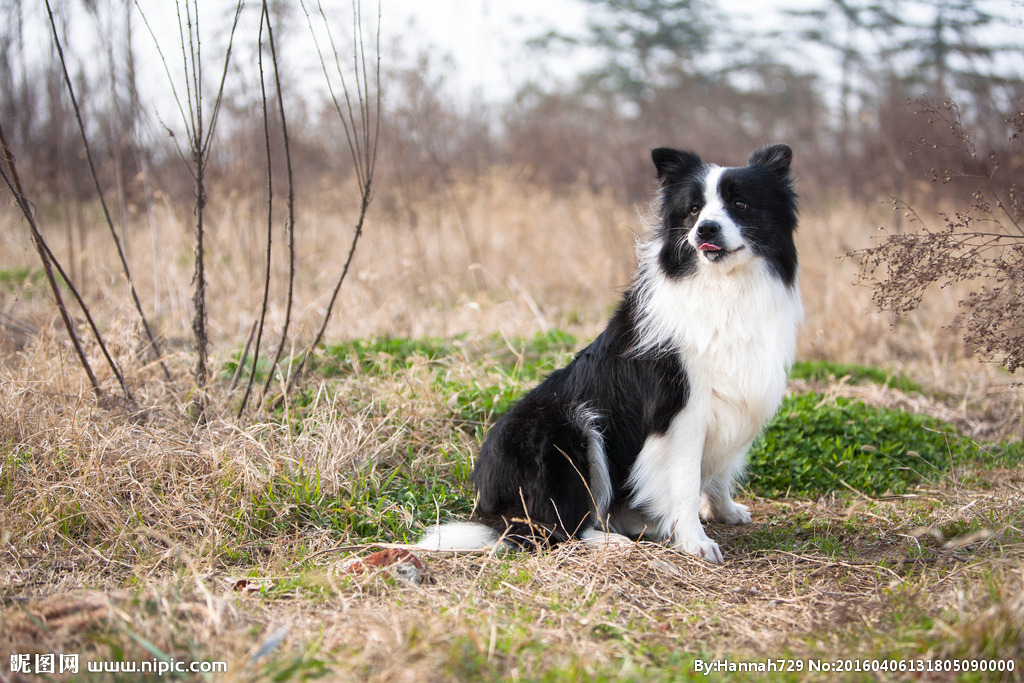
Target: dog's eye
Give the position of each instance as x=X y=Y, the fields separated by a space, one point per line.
x=740 y=204
x=694 y=210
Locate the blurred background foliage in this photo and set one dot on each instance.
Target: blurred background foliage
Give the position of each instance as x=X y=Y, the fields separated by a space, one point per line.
x=836 y=78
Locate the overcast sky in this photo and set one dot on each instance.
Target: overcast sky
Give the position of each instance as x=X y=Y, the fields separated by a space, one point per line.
x=486 y=37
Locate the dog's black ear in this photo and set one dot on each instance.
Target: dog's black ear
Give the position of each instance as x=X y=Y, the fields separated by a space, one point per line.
x=775 y=157
x=674 y=165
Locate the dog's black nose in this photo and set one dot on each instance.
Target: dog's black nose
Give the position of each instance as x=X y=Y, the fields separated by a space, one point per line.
x=708 y=230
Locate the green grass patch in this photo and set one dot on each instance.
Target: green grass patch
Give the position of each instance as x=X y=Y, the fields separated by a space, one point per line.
x=523 y=359
x=826 y=371
x=815 y=445
x=529 y=359
x=26 y=278
x=11 y=278
x=378 y=356
x=373 y=504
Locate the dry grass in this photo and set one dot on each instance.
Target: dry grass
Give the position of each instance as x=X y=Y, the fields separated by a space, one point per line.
x=492 y=255
x=127 y=532
x=897 y=589
x=477 y=259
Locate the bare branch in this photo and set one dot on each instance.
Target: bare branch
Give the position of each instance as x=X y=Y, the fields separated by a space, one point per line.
x=223 y=77
x=348 y=117
x=167 y=69
x=270 y=225
x=153 y=345
x=200 y=135
x=291 y=205
x=13 y=182
x=364 y=154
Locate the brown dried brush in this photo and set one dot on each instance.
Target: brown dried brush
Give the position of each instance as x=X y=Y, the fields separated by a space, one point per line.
x=983 y=246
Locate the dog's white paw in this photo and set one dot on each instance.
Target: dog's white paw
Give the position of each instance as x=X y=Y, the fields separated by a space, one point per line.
x=701 y=547
x=734 y=513
x=728 y=512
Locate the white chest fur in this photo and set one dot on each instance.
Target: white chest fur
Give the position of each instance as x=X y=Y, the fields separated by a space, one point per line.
x=736 y=333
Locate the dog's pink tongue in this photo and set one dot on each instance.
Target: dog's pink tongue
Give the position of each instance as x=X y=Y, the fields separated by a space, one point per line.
x=707 y=246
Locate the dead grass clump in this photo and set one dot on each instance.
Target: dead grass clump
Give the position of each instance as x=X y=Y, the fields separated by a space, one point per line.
x=92 y=486
x=996 y=632
x=155 y=624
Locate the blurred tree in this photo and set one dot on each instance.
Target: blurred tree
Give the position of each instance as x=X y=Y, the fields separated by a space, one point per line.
x=643 y=44
x=961 y=50
x=891 y=52
x=940 y=47
x=951 y=46
x=668 y=72
x=847 y=29
x=16 y=96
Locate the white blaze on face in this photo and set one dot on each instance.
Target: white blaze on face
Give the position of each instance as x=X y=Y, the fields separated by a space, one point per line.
x=729 y=237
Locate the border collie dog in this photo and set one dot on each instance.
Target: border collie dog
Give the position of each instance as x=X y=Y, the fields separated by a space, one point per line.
x=643 y=433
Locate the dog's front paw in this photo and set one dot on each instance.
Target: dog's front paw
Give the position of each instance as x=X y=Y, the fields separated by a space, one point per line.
x=702 y=547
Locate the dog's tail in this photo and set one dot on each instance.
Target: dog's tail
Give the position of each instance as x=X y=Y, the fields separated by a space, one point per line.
x=494 y=533
x=459 y=536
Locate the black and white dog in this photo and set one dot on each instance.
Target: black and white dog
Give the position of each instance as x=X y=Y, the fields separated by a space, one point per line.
x=643 y=433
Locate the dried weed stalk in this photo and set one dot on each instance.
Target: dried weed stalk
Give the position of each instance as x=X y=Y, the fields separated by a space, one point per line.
x=982 y=246
x=360 y=117
x=265 y=21
x=154 y=347
x=199 y=128
x=291 y=203
x=9 y=174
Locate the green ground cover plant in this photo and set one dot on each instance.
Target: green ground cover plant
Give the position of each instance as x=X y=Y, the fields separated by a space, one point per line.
x=816 y=445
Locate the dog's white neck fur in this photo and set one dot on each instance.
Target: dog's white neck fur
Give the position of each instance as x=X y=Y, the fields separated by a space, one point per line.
x=735 y=332
x=734 y=305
